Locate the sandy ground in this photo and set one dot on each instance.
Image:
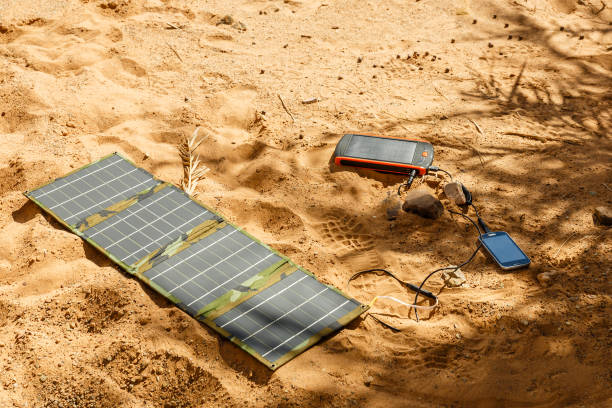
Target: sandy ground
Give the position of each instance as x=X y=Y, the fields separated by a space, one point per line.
x=81 y=79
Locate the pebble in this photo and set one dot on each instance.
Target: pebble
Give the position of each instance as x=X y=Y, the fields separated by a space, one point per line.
x=423 y=203
x=547 y=278
x=453 y=279
x=43 y=378
x=454 y=192
x=368 y=380
x=392 y=205
x=525 y=322
x=602 y=216
x=309 y=101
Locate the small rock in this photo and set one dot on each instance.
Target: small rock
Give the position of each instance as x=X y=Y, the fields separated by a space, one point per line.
x=43 y=378
x=547 y=278
x=424 y=204
x=525 y=322
x=454 y=192
x=453 y=279
x=227 y=20
x=458 y=336
x=392 y=205
x=602 y=216
x=368 y=380
x=72 y=325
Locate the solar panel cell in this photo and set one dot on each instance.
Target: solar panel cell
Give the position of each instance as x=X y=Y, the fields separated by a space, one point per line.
x=149 y=224
x=285 y=315
x=211 y=267
x=78 y=195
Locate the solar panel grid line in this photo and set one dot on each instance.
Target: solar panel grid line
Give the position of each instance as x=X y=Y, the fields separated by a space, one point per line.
x=199 y=232
x=108 y=226
x=184 y=260
x=202 y=274
x=79 y=178
x=176 y=229
x=144 y=248
x=128 y=188
x=303 y=330
x=164 y=236
x=289 y=335
x=210 y=267
x=223 y=283
x=90 y=190
x=149 y=224
x=262 y=302
x=247 y=289
x=107 y=200
x=136 y=243
x=286 y=314
x=172 y=233
x=115 y=209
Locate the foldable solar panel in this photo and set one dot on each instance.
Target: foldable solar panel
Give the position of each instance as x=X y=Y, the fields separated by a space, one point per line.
x=213 y=270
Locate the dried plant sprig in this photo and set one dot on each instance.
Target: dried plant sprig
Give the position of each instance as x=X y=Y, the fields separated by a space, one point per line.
x=193 y=170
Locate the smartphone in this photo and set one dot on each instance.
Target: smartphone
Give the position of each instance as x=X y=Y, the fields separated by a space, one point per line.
x=504 y=250
x=384 y=154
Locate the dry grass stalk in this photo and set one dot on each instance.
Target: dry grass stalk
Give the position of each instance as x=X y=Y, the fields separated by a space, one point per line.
x=193 y=170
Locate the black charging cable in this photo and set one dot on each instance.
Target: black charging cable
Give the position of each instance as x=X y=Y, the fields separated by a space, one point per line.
x=408 y=183
x=436 y=169
x=408 y=285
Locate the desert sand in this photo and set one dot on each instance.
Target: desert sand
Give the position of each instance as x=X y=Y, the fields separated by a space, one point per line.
x=515 y=96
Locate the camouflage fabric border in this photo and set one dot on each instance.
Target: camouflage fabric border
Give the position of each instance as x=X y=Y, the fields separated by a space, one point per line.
x=221 y=305
x=246 y=290
x=103 y=215
x=183 y=242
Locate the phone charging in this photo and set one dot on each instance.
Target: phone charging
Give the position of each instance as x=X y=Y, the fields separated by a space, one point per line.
x=504 y=250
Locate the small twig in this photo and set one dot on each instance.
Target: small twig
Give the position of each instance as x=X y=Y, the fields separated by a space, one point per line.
x=526 y=136
x=440 y=93
x=516 y=83
x=309 y=101
x=587 y=236
x=472 y=147
x=173 y=26
x=175 y=53
x=606 y=186
x=564 y=242
x=285 y=107
x=477 y=127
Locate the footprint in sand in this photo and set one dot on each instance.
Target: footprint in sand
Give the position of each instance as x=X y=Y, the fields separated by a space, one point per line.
x=345 y=236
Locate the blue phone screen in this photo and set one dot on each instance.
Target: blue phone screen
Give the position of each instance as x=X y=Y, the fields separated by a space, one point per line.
x=503 y=248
